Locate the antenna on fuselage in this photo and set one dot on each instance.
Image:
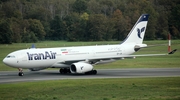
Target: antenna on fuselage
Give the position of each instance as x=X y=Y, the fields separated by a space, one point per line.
x=33 y=46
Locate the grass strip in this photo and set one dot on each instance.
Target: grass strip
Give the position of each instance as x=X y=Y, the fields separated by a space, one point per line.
x=94 y=89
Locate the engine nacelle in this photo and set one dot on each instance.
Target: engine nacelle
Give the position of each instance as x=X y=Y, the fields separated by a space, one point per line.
x=81 y=67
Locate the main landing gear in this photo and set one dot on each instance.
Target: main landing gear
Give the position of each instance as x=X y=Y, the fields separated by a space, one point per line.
x=20 y=72
x=64 y=70
x=67 y=70
x=93 y=72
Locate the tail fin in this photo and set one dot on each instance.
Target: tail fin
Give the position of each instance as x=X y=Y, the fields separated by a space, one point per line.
x=137 y=33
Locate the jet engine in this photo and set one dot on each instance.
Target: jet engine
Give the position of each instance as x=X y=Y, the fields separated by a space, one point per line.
x=81 y=67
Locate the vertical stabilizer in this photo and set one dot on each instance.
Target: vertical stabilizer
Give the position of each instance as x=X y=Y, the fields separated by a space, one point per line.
x=136 y=35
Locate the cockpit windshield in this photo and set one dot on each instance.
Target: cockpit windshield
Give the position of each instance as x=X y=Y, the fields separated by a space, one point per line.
x=10 y=56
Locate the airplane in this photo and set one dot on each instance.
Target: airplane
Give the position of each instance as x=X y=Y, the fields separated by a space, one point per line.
x=81 y=59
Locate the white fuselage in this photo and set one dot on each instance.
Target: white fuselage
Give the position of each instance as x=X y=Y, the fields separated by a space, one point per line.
x=79 y=59
x=55 y=57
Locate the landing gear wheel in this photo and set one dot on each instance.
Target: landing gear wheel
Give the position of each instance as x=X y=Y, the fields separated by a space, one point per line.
x=93 y=72
x=64 y=70
x=21 y=74
x=61 y=71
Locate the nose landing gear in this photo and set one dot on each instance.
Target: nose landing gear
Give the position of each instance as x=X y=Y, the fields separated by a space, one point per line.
x=20 y=72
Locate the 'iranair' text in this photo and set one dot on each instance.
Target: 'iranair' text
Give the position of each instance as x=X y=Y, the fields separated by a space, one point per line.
x=41 y=56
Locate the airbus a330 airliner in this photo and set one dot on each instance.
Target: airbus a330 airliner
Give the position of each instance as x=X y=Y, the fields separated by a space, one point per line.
x=80 y=60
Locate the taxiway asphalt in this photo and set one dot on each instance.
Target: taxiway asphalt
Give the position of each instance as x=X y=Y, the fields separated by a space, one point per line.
x=12 y=76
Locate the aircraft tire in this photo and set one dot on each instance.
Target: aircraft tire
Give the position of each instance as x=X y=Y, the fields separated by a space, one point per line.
x=64 y=71
x=61 y=71
x=94 y=72
x=21 y=74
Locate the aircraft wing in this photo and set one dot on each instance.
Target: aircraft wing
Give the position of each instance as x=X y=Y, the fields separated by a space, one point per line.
x=132 y=56
x=94 y=60
x=172 y=52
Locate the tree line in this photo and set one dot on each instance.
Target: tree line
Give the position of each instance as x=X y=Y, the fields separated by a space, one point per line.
x=85 y=20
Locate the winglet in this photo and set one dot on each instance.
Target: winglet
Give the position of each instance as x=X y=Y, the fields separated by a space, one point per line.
x=173 y=51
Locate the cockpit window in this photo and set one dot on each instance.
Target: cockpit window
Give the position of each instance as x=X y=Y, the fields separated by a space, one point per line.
x=10 y=56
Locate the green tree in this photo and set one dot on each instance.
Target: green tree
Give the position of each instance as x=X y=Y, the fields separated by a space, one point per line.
x=152 y=23
x=17 y=29
x=83 y=20
x=93 y=7
x=83 y=27
x=79 y=6
x=120 y=25
x=37 y=28
x=107 y=7
x=72 y=24
x=6 y=32
x=96 y=27
x=174 y=20
x=39 y=13
x=57 y=29
x=29 y=37
x=162 y=30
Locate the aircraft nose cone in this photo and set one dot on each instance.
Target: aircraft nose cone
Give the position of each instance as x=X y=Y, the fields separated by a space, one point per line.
x=8 y=62
x=5 y=61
